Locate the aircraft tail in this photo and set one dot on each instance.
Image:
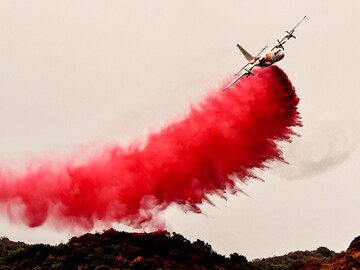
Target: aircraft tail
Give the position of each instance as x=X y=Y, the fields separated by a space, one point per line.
x=247 y=55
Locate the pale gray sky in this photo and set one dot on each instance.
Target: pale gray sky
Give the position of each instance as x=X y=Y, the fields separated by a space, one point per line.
x=74 y=73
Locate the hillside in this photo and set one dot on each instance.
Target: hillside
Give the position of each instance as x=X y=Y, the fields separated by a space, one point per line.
x=159 y=250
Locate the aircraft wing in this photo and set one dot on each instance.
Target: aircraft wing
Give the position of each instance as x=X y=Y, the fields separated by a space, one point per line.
x=243 y=72
x=237 y=73
x=289 y=35
x=235 y=80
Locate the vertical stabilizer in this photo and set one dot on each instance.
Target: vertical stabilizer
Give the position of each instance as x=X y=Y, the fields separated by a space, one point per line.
x=247 y=55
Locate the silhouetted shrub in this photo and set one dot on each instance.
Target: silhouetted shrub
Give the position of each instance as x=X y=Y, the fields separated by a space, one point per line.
x=324 y=251
x=355 y=243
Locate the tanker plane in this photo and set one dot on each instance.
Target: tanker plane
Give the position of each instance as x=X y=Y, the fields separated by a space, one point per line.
x=265 y=57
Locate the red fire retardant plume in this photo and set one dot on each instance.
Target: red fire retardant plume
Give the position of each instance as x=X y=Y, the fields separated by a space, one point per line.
x=217 y=145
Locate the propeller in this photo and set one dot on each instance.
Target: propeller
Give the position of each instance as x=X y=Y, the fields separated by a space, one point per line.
x=281 y=44
x=290 y=34
x=249 y=73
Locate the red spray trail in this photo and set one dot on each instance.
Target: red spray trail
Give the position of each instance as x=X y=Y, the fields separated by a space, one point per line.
x=218 y=144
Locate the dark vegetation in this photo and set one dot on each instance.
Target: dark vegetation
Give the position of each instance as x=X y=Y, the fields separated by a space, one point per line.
x=159 y=250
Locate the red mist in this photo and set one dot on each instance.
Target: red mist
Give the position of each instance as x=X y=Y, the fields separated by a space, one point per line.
x=215 y=146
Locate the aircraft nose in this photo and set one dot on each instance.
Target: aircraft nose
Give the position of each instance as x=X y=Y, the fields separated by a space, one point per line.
x=281 y=55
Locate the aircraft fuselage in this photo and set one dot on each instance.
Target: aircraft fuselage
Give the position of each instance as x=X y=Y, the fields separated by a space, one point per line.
x=271 y=57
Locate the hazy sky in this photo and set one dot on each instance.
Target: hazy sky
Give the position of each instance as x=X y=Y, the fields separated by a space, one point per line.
x=74 y=73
